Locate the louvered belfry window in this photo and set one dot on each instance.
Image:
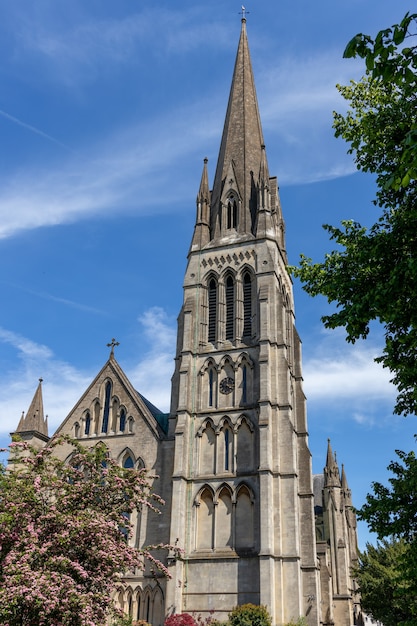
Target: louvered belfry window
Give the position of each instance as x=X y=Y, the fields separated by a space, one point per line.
x=230 y=308
x=247 y=305
x=212 y=310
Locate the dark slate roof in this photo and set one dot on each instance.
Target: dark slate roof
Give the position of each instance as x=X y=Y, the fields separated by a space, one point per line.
x=318 y=486
x=161 y=418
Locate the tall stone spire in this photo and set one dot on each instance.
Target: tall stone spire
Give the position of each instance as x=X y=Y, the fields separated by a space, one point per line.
x=242 y=498
x=34 y=420
x=241 y=156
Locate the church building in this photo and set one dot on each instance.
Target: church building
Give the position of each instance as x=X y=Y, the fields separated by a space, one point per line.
x=232 y=455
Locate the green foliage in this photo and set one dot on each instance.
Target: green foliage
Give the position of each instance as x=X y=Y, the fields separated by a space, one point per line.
x=391 y=63
x=392 y=512
x=250 y=615
x=372 y=273
x=300 y=622
x=380 y=583
x=126 y=620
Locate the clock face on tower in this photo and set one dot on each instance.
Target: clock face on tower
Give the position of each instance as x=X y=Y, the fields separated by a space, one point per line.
x=227 y=385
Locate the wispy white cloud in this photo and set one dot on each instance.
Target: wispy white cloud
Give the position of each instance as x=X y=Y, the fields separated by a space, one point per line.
x=152 y=376
x=48 y=296
x=32 y=129
x=78 y=49
x=355 y=374
x=119 y=173
x=24 y=346
x=297 y=98
x=344 y=381
x=64 y=383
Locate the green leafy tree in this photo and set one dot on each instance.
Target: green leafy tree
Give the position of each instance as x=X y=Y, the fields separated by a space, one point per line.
x=372 y=273
x=380 y=582
x=392 y=512
x=64 y=534
x=249 y=615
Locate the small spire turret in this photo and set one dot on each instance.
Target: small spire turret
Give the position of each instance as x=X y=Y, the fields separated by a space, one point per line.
x=34 y=421
x=201 y=234
x=345 y=487
x=331 y=470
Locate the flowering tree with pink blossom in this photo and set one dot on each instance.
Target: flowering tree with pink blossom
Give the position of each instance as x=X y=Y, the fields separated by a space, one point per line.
x=180 y=619
x=64 y=534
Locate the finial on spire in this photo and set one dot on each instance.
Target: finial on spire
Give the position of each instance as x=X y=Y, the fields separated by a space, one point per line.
x=112 y=345
x=244 y=13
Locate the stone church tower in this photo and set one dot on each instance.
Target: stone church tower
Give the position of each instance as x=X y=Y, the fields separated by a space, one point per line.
x=232 y=456
x=242 y=497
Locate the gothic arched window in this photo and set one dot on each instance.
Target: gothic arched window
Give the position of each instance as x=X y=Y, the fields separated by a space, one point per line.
x=244 y=383
x=231 y=213
x=227 y=442
x=128 y=462
x=211 y=385
x=122 y=420
x=244 y=520
x=106 y=412
x=247 y=305
x=224 y=519
x=205 y=518
x=87 y=424
x=212 y=310
x=230 y=308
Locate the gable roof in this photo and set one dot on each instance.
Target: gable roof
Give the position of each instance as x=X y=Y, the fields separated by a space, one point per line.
x=156 y=420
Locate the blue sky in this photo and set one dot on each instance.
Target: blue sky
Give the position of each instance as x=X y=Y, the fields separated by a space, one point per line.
x=107 y=111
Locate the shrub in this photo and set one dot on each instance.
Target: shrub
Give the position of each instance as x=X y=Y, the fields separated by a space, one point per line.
x=180 y=619
x=250 y=615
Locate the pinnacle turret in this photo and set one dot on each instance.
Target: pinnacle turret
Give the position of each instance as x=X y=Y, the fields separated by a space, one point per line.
x=34 y=421
x=345 y=487
x=201 y=234
x=331 y=470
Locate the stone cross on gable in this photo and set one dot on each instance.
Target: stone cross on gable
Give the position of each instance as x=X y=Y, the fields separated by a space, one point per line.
x=112 y=345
